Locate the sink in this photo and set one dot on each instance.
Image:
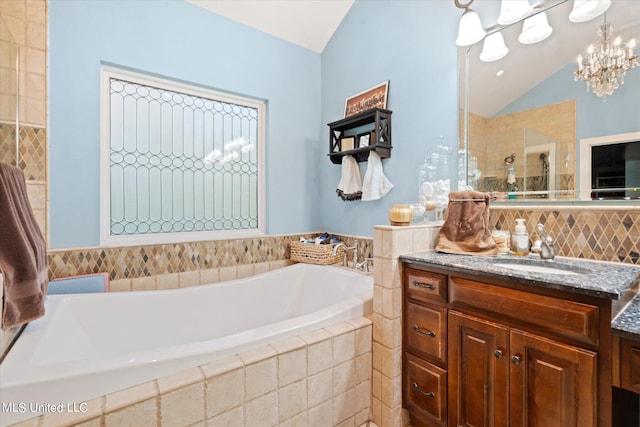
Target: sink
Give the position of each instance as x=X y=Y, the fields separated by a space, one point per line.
x=543 y=269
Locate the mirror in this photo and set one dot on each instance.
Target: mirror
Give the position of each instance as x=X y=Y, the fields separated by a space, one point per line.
x=535 y=110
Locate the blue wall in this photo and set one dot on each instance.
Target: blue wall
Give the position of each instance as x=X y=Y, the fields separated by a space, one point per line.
x=180 y=41
x=595 y=116
x=410 y=43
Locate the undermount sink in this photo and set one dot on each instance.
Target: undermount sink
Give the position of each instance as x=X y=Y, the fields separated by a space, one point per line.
x=543 y=269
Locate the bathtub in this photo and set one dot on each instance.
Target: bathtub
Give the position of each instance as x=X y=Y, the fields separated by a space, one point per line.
x=90 y=345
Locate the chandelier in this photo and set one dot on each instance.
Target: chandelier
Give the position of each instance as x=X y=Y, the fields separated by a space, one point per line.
x=604 y=65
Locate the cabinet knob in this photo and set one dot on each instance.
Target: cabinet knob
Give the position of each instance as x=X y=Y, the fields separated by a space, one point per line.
x=498 y=353
x=422 y=331
x=423 y=285
x=516 y=359
x=417 y=388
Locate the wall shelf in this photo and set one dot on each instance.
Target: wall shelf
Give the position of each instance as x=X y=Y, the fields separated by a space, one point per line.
x=374 y=124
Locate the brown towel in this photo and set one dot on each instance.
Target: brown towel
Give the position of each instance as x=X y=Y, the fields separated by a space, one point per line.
x=466 y=229
x=23 y=252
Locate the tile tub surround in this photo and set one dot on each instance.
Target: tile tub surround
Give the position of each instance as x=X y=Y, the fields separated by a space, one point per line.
x=178 y=265
x=390 y=242
x=605 y=233
x=188 y=258
x=321 y=378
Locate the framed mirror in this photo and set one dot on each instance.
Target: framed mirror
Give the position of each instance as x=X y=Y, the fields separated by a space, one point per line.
x=527 y=126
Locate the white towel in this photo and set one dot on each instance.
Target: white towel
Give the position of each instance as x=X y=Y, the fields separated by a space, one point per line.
x=350 y=186
x=375 y=185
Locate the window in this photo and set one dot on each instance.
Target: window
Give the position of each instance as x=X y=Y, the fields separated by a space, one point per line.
x=178 y=162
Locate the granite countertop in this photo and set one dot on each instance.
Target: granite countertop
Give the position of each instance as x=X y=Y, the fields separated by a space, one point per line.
x=627 y=323
x=595 y=278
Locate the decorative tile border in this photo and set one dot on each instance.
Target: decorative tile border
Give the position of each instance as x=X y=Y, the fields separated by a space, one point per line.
x=152 y=260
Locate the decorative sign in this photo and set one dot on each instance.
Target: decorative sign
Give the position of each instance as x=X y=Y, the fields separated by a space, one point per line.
x=376 y=97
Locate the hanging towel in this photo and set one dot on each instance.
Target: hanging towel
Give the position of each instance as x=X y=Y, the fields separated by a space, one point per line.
x=375 y=185
x=23 y=252
x=466 y=229
x=350 y=185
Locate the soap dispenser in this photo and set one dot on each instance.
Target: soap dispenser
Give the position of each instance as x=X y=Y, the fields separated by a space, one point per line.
x=520 y=239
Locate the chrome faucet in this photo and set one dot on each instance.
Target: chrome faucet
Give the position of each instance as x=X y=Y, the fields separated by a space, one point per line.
x=364 y=265
x=353 y=248
x=545 y=247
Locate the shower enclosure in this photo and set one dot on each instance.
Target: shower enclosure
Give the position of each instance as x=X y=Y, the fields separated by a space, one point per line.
x=8 y=96
x=521 y=162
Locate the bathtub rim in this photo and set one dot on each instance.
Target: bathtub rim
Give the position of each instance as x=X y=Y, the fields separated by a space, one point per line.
x=363 y=302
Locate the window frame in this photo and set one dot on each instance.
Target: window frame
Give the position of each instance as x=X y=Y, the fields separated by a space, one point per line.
x=109 y=240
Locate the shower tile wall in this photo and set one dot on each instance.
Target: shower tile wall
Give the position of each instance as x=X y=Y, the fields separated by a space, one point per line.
x=26 y=21
x=556 y=121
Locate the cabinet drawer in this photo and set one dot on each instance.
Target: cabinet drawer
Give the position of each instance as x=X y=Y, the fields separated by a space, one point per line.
x=426 y=285
x=630 y=365
x=573 y=320
x=425 y=391
x=426 y=330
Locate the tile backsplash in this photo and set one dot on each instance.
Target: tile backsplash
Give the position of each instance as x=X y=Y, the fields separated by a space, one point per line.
x=593 y=233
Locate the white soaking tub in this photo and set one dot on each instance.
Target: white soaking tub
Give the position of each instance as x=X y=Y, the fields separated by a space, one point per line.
x=89 y=345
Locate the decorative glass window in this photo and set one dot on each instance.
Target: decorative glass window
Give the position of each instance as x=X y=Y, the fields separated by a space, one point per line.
x=179 y=162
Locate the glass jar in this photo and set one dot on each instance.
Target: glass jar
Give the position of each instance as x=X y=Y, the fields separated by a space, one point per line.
x=433 y=179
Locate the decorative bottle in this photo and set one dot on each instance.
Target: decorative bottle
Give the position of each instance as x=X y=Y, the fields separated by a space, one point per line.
x=520 y=239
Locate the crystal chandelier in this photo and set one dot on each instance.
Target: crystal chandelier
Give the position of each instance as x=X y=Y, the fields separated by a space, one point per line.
x=604 y=65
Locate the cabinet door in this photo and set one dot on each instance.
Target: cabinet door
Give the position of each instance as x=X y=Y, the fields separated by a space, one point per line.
x=551 y=384
x=478 y=372
x=630 y=365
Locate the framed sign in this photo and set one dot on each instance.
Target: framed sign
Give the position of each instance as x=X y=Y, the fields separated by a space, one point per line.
x=375 y=97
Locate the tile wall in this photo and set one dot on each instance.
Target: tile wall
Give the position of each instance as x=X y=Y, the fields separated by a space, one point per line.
x=506 y=132
x=604 y=234
x=321 y=378
x=245 y=256
x=390 y=243
x=25 y=21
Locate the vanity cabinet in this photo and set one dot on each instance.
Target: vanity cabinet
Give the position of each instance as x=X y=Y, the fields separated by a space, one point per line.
x=548 y=383
x=504 y=355
x=630 y=365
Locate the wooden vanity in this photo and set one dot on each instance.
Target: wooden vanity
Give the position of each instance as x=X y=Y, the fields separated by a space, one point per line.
x=483 y=350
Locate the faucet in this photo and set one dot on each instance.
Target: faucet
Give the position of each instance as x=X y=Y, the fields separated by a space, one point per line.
x=544 y=246
x=364 y=265
x=353 y=248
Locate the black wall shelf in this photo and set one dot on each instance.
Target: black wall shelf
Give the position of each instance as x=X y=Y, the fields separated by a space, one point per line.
x=374 y=123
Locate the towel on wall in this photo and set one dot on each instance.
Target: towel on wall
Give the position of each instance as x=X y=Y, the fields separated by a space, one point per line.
x=23 y=252
x=466 y=229
x=350 y=185
x=375 y=185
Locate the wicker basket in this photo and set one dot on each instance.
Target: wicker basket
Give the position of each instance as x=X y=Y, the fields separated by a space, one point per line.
x=315 y=254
